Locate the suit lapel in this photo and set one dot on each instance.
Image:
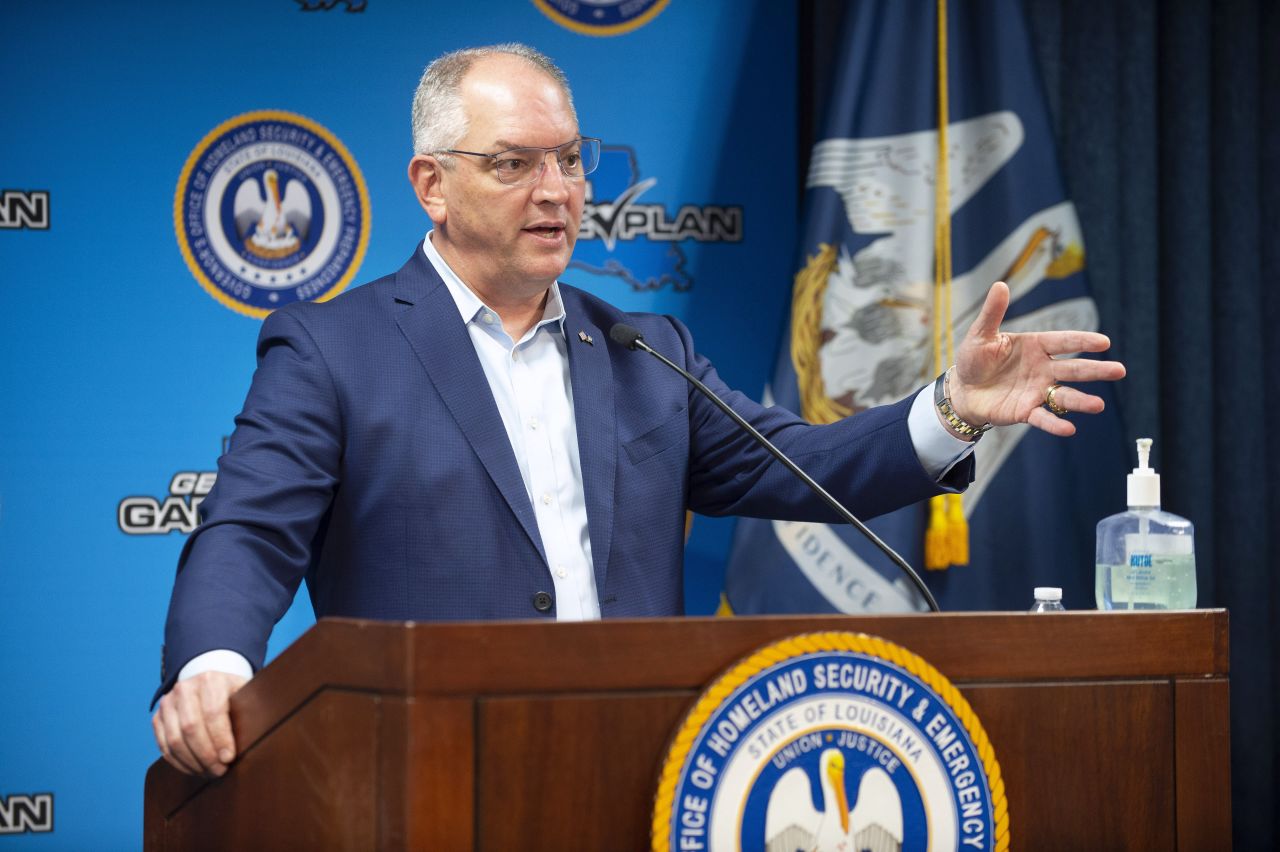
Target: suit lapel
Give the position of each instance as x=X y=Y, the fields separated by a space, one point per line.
x=593 y=405
x=429 y=320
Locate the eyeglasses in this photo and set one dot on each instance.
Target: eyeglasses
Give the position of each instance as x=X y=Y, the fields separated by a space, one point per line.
x=523 y=166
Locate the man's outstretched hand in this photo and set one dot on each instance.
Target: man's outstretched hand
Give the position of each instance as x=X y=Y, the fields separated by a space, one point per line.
x=1003 y=378
x=193 y=723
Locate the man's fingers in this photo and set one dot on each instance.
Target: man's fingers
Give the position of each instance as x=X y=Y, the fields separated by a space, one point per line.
x=163 y=742
x=1077 y=400
x=175 y=746
x=987 y=325
x=1087 y=370
x=1042 y=418
x=179 y=755
x=1069 y=342
x=215 y=699
x=195 y=732
x=193 y=723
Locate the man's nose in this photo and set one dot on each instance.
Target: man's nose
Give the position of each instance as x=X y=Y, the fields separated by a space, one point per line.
x=552 y=185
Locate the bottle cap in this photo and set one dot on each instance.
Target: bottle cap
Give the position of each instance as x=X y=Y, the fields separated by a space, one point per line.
x=1144 y=483
x=1048 y=593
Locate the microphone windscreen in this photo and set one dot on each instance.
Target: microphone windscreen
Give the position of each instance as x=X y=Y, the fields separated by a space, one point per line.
x=625 y=335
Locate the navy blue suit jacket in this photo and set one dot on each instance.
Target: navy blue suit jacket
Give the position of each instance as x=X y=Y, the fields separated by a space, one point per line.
x=370 y=459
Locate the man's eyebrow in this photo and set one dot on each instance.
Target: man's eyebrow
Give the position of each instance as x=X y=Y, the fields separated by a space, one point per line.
x=504 y=145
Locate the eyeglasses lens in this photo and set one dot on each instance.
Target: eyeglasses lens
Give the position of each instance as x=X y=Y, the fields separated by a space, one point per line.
x=524 y=165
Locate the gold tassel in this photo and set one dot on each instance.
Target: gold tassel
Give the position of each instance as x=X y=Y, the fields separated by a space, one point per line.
x=957 y=530
x=724 y=609
x=946 y=542
x=937 y=541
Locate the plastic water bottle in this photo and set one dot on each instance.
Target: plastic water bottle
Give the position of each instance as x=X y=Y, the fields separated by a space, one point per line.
x=1048 y=599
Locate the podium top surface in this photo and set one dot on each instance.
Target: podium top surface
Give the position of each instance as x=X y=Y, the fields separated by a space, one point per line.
x=442 y=659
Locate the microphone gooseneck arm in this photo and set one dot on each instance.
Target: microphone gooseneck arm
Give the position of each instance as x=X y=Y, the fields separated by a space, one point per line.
x=631 y=338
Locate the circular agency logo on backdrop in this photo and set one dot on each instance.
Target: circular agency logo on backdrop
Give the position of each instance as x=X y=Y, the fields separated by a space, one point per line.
x=271 y=208
x=831 y=741
x=601 y=17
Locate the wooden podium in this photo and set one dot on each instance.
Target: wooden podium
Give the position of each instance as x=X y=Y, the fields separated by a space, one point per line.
x=1111 y=730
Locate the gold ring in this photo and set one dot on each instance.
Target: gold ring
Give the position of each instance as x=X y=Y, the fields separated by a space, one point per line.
x=1049 y=401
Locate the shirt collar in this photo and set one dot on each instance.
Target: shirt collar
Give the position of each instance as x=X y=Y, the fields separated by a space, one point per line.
x=470 y=305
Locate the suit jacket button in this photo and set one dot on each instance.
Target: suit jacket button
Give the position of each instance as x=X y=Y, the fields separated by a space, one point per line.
x=542 y=602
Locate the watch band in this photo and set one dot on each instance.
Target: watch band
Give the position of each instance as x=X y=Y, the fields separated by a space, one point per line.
x=942 y=400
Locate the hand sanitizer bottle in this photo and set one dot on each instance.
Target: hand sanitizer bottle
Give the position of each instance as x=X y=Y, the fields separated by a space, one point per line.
x=1146 y=558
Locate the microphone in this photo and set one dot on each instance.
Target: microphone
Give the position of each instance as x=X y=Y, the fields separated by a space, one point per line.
x=630 y=337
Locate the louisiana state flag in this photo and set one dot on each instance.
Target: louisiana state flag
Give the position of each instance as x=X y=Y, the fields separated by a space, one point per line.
x=862 y=334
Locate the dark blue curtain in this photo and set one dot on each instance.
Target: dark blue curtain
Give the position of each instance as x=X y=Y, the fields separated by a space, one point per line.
x=1166 y=115
x=1166 y=119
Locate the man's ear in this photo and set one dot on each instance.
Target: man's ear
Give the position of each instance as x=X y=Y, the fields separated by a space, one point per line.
x=426 y=175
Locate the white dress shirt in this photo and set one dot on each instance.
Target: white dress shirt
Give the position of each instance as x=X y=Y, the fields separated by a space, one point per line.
x=529 y=380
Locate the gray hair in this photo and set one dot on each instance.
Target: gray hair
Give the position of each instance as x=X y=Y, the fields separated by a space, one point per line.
x=439 y=120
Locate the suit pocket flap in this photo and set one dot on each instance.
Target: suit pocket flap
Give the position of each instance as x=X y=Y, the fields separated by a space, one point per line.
x=660 y=437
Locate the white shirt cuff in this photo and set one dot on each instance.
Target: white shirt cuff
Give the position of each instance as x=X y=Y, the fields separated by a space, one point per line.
x=222 y=660
x=937 y=449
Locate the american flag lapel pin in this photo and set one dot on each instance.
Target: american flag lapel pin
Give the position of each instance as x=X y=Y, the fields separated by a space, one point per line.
x=586 y=338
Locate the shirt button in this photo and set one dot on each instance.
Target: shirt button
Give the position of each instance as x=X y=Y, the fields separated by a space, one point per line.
x=488 y=318
x=515 y=354
x=546 y=499
x=533 y=423
x=560 y=572
x=542 y=602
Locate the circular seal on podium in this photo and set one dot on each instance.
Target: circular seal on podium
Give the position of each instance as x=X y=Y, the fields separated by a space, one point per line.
x=831 y=741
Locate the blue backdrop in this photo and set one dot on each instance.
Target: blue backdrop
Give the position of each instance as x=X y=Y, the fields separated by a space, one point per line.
x=121 y=374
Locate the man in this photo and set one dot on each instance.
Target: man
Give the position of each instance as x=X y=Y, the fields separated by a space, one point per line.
x=462 y=440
